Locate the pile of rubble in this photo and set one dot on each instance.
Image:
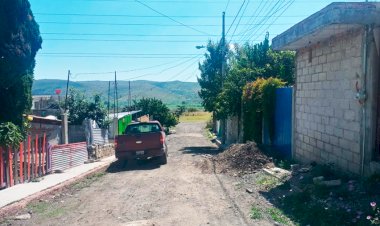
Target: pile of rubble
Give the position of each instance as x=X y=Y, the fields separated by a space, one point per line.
x=240 y=159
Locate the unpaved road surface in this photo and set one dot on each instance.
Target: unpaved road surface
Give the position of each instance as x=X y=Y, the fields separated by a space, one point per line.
x=149 y=194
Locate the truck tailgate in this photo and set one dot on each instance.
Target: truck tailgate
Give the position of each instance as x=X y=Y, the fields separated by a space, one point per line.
x=139 y=142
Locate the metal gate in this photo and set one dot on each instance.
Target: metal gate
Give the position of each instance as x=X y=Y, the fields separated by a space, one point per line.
x=283 y=121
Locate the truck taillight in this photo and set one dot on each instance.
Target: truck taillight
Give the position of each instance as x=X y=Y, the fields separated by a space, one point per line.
x=115 y=142
x=162 y=139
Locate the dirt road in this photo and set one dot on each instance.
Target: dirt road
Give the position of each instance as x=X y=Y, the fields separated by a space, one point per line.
x=150 y=194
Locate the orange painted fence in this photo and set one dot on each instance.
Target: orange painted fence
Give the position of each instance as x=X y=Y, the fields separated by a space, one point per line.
x=25 y=163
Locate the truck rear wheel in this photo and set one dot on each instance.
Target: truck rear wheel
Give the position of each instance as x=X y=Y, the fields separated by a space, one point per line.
x=164 y=159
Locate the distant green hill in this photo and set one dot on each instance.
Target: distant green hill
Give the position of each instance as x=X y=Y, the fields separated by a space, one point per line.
x=171 y=93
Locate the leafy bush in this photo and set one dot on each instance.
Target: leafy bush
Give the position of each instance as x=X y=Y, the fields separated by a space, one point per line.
x=10 y=135
x=259 y=102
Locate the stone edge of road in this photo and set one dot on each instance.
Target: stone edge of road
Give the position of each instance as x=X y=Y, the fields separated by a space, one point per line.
x=14 y=207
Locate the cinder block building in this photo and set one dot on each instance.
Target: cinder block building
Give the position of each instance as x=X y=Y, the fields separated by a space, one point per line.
x=336 y=114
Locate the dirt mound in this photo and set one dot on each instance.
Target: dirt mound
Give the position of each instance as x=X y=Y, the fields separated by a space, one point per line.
x=237 y=160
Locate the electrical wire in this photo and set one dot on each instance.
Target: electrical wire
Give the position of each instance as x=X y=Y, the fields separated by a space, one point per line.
x=192 y=28
x=140 y=24
x=143 y=16
x=126 y=71
x=241 y=16
x=286 y=6
x=254 y=16
x=276 y=18
x=270 y=13
x=237 y=14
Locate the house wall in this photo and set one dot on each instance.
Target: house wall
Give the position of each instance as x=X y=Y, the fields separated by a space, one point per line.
x=53 y=132
x=77 y=134
x=327 y=115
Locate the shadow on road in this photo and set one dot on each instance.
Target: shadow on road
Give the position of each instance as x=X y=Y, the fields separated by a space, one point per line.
x=205 y=150
x=120 y=166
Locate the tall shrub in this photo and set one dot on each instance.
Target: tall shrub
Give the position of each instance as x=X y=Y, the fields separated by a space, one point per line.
x=259 y=100
x=19 y=42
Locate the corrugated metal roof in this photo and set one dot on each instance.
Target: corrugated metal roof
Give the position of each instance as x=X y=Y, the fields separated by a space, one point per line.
x=122 y=114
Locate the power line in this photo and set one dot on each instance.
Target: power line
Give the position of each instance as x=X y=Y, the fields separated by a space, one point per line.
x=279 y=8
x=264 y=19
x=126 y=54
x=123 y=40
x=127 y=57
x=233 y=21
x=276 y=18
x=228 y=3
x=241 y=16
x=141 y=24
x=126 y=71
x=176 y=75
x=146 y=16
x=126 y=35
x=164 y=70
x=170 y=18
x=253 y=15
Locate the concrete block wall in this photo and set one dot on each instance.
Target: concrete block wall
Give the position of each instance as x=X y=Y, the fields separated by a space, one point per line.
x=327 y=116
x=232 y=134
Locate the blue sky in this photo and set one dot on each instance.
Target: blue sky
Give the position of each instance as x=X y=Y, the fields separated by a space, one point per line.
x=94 y=38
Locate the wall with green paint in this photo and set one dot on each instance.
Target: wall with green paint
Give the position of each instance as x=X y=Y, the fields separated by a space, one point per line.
x=123 y=123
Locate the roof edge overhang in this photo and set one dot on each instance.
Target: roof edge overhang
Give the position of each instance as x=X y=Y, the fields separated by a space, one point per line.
x=336 y=18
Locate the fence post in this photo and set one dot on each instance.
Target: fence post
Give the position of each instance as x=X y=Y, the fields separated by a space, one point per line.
x=36 y=157
x=43 y=154
x=21 y=152
x=29 y=159
x=15 y=160
x=10 y=165
x=1 y=168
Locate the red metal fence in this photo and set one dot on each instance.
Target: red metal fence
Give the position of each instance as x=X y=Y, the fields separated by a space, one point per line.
x=19 y=165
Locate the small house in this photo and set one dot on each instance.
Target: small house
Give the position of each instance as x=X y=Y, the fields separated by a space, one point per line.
x=336 y=113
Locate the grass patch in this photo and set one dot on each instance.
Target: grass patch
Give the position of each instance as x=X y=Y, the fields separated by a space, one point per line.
x=267 y=182
x=46 y=209
x=256 y=213
x=195 y=117
x=88 y=181
x=278 y=216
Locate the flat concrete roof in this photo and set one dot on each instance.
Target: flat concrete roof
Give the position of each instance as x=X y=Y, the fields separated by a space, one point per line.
x=334 y=19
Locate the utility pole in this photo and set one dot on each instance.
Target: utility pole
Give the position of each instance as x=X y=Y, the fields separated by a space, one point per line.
x=129 y=97
x=117 y=97
x=108 y=102
x=223 y=42
x=65 y=126
x=67 y=88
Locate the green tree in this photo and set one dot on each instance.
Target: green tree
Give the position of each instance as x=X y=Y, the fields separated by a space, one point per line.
x=80 y=109
x=19 y=42
x=158 y=110
x=248 y=63
x=211 y=79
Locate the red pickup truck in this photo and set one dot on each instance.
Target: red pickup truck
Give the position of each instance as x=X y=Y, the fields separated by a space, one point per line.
x=142 y=140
